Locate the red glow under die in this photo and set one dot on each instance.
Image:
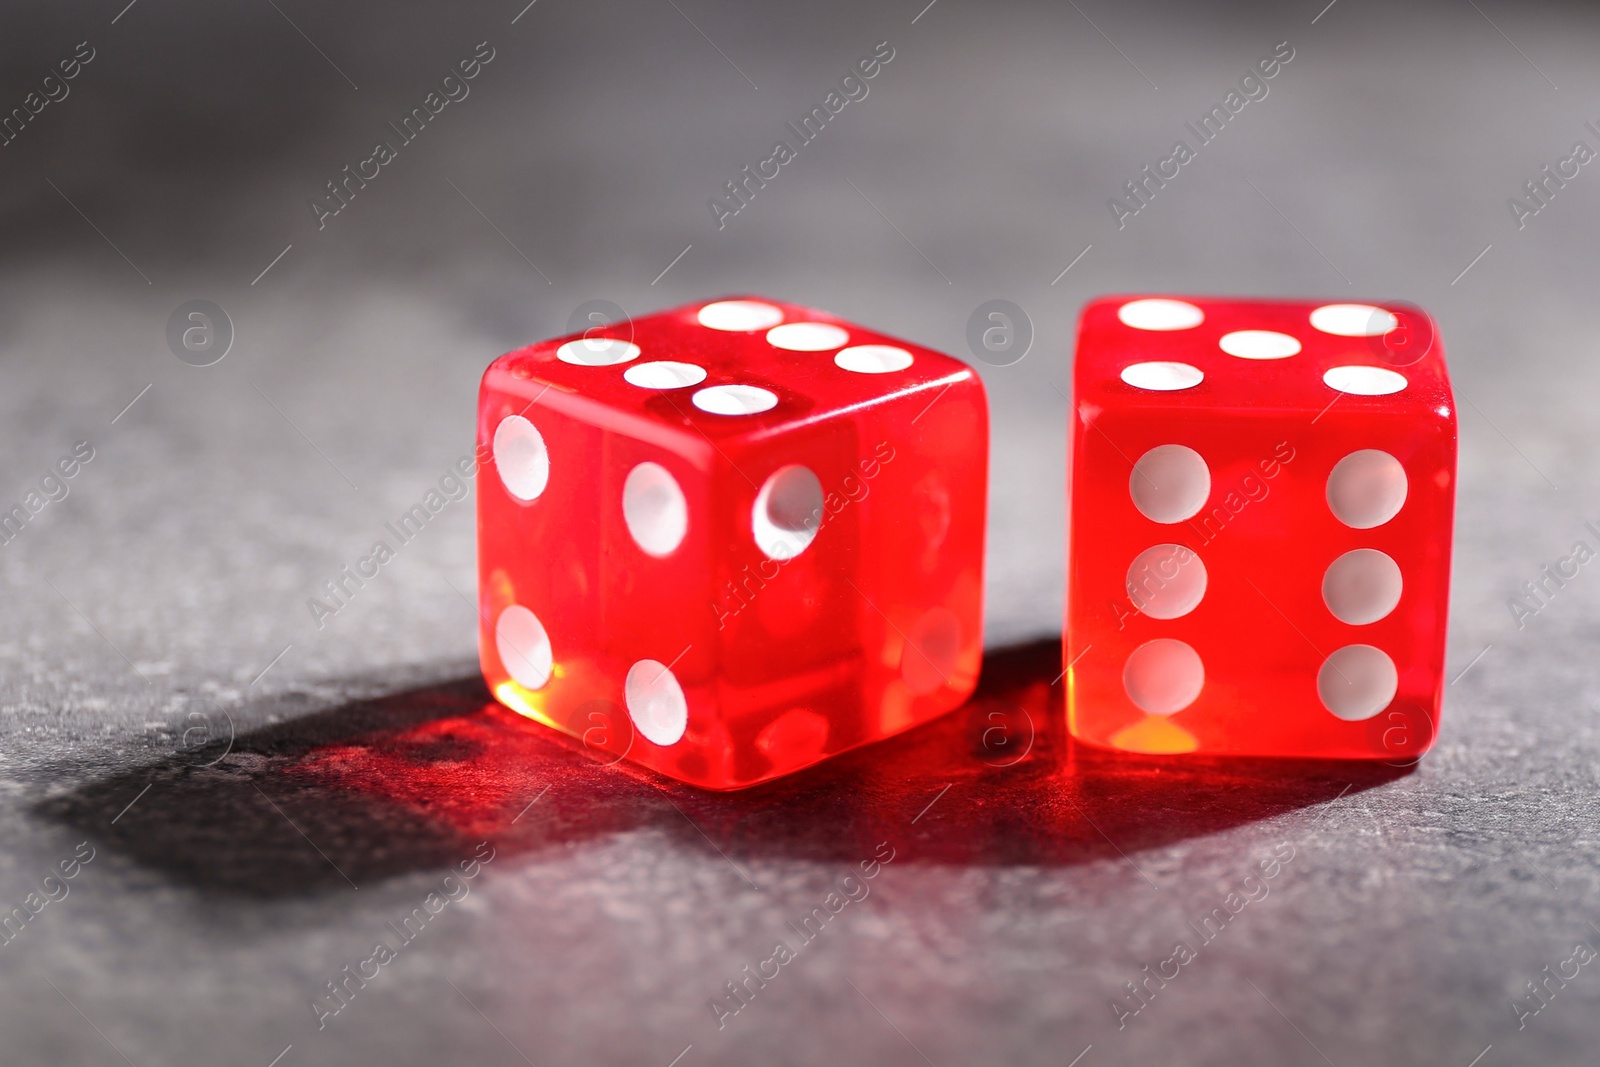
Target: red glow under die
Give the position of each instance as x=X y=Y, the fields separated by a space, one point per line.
x=1261 y=502
x=732 y=539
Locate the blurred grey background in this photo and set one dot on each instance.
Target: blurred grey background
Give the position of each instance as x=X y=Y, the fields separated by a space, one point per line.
x=236 y=770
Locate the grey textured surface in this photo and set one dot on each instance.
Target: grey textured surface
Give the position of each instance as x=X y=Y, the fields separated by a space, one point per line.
x=1417 y=905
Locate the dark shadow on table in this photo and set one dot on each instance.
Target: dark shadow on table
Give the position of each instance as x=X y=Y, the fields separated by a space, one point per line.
x=414 y=781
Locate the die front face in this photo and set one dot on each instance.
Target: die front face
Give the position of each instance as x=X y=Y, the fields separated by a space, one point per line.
x=1261 y=500
x=729 y=540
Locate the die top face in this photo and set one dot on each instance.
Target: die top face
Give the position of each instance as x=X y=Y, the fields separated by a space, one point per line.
x=709 y=373
x=1200 y=353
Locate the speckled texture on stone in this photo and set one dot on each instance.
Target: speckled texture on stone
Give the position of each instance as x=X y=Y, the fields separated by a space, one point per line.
x=222 y=896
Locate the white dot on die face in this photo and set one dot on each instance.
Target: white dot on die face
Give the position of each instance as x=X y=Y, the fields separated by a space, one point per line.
x=1166 y=581
x=1259 y=344
x=1164 y=676
x=788 y=512
x=523 y=646
x=1157 y=314
x=521 y=457
x=932 y=652
x=597 y=352
x=1364 y=381
x=664 y=374
x=873 y=359
x=806 y=336
x=739 y=315
x=1353 y=320
x=1357 y=682
x=735 y=400
x=655 y=510
x=655 y=702
x=1367 y=488
x=1162 y=377
x=1170 y=483
x=1362 y=586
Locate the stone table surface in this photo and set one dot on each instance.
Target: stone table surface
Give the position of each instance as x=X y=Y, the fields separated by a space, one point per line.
x=155 y=617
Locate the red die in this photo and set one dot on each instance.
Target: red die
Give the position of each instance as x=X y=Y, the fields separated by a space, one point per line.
x=1262 y=496
x=729 y=540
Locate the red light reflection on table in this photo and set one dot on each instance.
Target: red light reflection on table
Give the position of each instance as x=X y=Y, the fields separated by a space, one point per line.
x=996 y=782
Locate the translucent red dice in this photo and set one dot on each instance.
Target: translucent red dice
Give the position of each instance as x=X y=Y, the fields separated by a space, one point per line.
x=729 y=540
x=1261 y=497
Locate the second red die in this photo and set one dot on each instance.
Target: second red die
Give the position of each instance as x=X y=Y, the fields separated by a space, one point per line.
x=729 y=540
x=1261 y=502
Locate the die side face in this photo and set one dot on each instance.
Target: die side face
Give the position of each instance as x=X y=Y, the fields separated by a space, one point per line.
x=1260 y=516
x=729 y=540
